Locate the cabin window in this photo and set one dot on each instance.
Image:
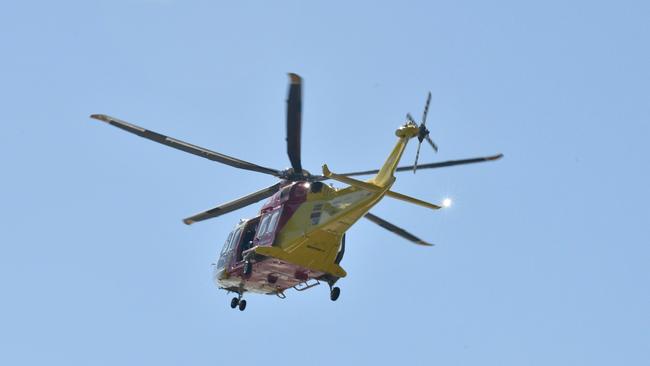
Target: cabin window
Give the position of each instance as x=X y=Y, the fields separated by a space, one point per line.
x=269 y=223
x=273 y=222
x=263 y=225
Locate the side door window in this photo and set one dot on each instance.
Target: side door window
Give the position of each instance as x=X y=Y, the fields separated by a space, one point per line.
x=268 y=224
x=264 y=223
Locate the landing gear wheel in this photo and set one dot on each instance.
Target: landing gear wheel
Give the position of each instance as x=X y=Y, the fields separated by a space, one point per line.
x=334 y=293
x=234 y=302
x=242 y=305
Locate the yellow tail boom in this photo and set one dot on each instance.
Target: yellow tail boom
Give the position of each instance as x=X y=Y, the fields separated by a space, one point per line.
x=385 y=177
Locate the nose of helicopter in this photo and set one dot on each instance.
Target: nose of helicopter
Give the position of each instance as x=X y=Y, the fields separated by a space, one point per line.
x=217 y=274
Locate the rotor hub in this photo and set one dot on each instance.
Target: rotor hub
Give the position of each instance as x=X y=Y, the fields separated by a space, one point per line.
x=291 y=175
x=423 y=132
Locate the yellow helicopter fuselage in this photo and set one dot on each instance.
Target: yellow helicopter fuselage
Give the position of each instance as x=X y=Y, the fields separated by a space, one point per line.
x=309 y=222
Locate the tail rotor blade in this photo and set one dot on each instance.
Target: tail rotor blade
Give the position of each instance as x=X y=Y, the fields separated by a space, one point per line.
x=417 y=156
x=423 y=133
x=433 y=144
x=426 y=109
x=410 y=118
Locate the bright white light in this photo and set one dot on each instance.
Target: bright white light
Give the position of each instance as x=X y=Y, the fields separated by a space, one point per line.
x=446 y=202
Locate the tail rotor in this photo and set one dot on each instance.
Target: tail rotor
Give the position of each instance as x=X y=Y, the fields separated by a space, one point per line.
x=423 y=133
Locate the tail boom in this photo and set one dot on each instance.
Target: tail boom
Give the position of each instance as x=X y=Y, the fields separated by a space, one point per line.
x=385 y=177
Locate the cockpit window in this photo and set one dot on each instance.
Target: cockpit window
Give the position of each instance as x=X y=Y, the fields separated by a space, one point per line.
x=227 y=247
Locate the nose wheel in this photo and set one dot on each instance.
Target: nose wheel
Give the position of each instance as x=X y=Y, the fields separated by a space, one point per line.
x=238 y=302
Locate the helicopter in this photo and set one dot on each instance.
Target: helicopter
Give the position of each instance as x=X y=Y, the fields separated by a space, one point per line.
x=297 y=240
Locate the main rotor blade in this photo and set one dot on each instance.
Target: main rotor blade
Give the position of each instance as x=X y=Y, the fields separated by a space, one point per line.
x=233 y=205
x=294 y=122
x=184 y=146
x=452 y=163
x=396 y=229
x=432 y=165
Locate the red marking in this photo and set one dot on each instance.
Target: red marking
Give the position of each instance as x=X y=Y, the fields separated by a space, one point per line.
x=301 y=275
x=296 y=197
x=290 y=197
x=273 y=272
x=278 y=274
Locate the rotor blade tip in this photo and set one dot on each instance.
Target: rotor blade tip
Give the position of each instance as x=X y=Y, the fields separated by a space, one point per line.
x=100 y=117
x=295 y=78
x=188 y=221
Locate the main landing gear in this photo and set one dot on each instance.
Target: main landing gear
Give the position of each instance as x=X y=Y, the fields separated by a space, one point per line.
x=335 y=292
x=238 y=302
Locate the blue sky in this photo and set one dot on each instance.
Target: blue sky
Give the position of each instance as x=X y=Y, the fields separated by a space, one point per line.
x=543 y=259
